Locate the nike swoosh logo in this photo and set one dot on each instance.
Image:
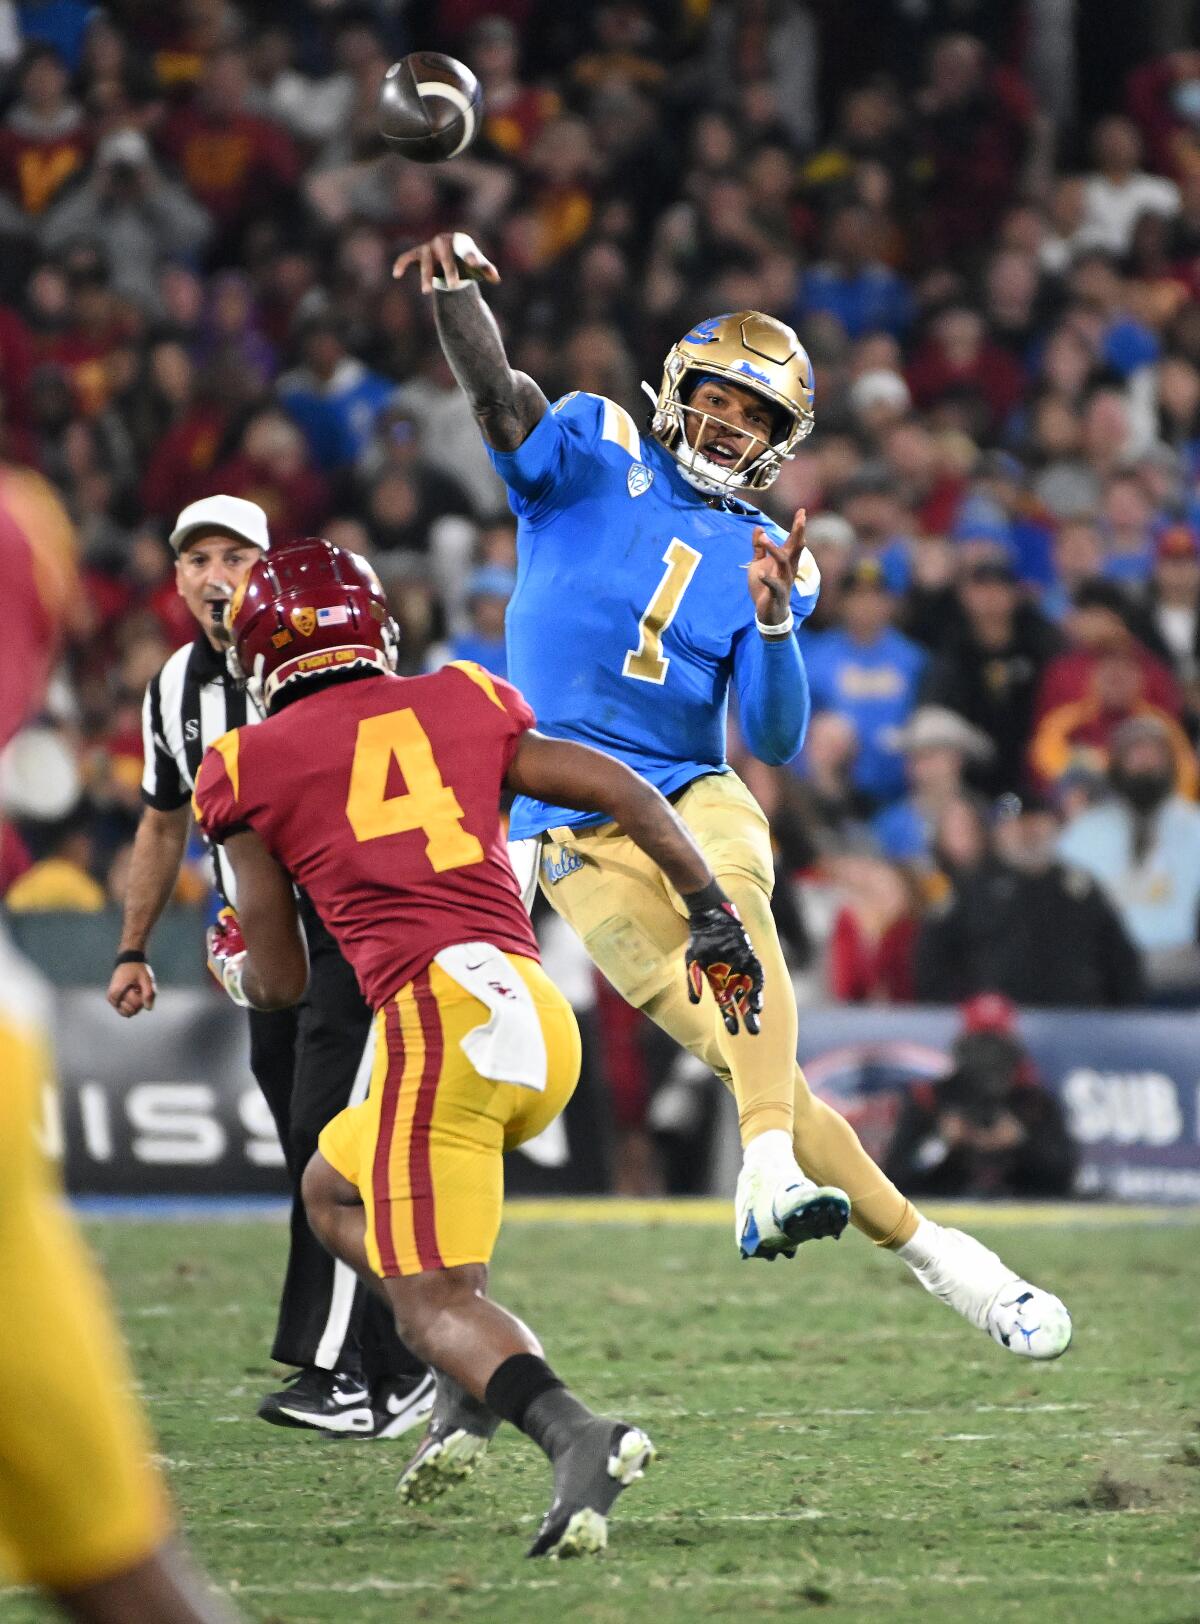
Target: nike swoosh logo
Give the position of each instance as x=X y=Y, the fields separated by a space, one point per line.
x=478 y=966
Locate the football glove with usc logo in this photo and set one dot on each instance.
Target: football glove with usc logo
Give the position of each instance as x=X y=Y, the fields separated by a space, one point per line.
x=720 y=953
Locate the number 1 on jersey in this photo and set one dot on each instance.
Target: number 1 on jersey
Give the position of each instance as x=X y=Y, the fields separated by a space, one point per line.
x=427 y=802
x=647 y=662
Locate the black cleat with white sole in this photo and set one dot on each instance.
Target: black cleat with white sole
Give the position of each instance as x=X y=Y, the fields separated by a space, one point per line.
x=329 y=1401
x=588 y=1476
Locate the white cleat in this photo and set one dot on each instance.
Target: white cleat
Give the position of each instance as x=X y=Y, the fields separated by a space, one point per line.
x=962 y=1273
x=1029 y=1322
x=775 y=1212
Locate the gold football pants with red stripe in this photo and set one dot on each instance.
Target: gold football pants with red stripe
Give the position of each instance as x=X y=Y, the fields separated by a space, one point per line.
x=425 y=1148
x=634 y=927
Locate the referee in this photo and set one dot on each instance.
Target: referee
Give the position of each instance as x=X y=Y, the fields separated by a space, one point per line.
x=353 y=1376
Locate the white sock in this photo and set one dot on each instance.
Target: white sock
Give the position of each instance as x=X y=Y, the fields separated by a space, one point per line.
x=770 y=1150
x=924 y=1245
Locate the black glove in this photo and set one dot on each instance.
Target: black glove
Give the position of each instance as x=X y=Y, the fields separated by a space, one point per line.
x=720 y=952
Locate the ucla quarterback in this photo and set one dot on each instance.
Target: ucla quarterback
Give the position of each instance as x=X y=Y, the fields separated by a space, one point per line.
x=647 y=586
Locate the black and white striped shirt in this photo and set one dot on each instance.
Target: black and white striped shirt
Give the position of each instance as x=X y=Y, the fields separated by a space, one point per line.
x=191 y=702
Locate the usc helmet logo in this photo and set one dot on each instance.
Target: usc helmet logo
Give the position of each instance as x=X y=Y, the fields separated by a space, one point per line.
x=305 y=621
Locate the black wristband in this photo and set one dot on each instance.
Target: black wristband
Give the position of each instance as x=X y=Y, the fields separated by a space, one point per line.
x=711 y=896
x=130 y=955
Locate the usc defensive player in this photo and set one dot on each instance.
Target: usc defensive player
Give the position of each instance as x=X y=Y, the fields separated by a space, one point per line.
x=380 y=795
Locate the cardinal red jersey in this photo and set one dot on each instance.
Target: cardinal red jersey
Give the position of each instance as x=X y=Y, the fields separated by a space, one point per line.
x=382 y=799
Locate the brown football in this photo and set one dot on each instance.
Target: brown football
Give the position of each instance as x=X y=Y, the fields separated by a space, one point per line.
x=429 y=107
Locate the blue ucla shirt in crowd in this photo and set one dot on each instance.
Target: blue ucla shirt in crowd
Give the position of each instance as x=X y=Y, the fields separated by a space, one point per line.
x=875 y=685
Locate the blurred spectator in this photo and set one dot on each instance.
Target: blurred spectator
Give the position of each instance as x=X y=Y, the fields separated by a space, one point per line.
x=820 y=814
x=137 y=216
x=332 y=396
x=1078 y=560
x=973 y=133
x=61 y=881
x=988 y=1129
x=450 y=439
x=1117 y=192
x=959 y=369
x=270 y=467
x=852 y=283
x=870 y=950
x=938 y=745
x=1023 y=924
x=989 y=666
x=238 y=165
x=514 y=113
x=831 y=541
x=487 y=595
x=44 y=140
x=1143 y=846
x=871 y=129
x=1100 y=618
x=869 y=672
x=1173 y=600
x=1080 y=732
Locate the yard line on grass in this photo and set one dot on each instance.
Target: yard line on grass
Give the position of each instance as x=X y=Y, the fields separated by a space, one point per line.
x=832 y=1579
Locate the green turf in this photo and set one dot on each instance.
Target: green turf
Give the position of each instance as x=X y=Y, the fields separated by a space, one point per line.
x=831 y=1440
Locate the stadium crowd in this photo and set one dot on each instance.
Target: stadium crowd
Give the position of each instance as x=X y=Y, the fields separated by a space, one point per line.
x=999 y=294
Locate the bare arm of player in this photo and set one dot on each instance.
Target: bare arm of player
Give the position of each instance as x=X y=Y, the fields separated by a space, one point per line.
x=275 y=972
x=719 y=951
x=153 y=870
x=507 y=404
x=566 y=774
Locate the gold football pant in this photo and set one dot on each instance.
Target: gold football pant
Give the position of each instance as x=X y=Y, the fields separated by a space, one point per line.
x=426 y=1147
x=79 y=1500
x=634 y=927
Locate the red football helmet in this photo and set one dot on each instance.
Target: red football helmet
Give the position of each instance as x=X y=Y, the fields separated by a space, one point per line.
x=305 y=609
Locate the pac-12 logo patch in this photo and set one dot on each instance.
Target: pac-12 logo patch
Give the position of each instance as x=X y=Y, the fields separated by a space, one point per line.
x=639 y=478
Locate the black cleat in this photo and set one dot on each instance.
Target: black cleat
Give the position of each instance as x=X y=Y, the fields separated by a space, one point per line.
x=588 y=1477
x=329 y=1401
x=401 y=1403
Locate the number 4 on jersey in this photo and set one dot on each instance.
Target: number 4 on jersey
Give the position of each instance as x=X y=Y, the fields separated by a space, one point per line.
x=427 y=803
x=646 y=662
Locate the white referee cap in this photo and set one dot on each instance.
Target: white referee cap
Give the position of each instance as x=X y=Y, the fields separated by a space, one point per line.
x=230 y=513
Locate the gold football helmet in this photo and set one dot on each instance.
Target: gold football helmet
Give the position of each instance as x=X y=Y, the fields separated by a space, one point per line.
x=755 y=352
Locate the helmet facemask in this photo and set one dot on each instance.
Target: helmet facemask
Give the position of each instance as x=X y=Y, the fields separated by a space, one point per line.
x=746 y=350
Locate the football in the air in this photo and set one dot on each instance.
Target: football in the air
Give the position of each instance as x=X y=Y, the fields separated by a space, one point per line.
x=429 y=107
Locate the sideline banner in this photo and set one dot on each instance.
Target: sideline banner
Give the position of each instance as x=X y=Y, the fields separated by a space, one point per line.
x=1129 y=1082
x=166 y=1104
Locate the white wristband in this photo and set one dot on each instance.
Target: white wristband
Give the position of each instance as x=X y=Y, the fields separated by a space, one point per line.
x=460 y=245
x=783 y=629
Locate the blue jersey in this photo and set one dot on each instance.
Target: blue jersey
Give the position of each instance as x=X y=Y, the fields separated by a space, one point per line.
x=632 y=612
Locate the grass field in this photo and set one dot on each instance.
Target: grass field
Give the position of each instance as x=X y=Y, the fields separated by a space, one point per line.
x=831 y=1440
